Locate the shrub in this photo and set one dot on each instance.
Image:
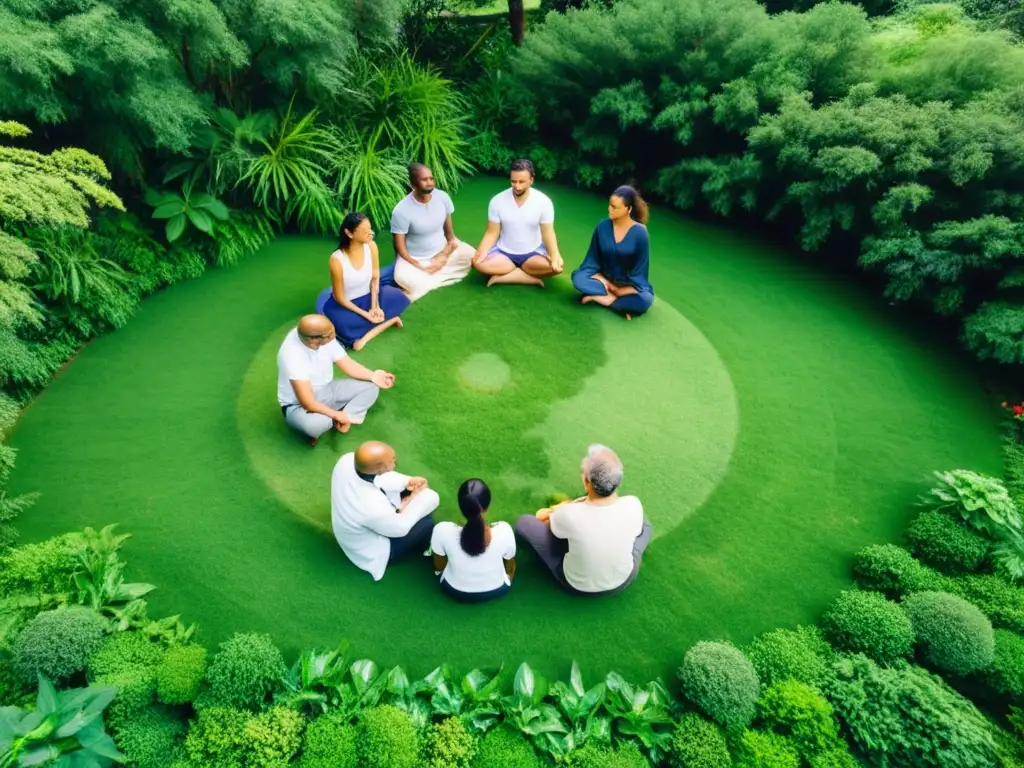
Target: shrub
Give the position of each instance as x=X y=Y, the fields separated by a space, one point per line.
x=799 y=654
x=837 y=757
x=151 y=739
x=502 y=748
x=121 y=651
x=979 y=500
x=1006 y=675
x=58 y=643
x=388 y=739
x=626 y=755
x=330 y=742
x=273 y=737
x=247 y=668
x=757 y=749
x=697 y=741
x=135 y=688
x=46 y=567
x=448 y=745
x=906 y=716
x=179 y=675
x=893 y=571
x=943 y=543
x=217 y=737
x=719 y=679
x=1003 y=603
x=865 y=622
x=952 y=634
x=796 y=710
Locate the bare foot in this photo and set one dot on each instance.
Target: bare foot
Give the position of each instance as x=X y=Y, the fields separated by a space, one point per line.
x=399 y=323
x=588 y=299
x=629 y=316
x=358 y=345
x=492 y=281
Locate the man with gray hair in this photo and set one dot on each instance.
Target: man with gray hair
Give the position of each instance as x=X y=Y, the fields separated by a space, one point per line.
x=592 y=545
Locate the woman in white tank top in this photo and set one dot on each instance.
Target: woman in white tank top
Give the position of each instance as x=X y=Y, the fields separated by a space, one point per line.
x=359 y=306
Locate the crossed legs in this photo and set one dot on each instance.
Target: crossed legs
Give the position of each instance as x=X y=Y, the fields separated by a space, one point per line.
x=514 y=270
x=626 y=300
x=353 y=397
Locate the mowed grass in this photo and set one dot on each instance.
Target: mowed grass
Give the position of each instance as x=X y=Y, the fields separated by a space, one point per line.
x=840 y=416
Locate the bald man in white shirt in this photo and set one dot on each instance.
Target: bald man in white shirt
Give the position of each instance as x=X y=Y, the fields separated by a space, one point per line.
x=379 y=515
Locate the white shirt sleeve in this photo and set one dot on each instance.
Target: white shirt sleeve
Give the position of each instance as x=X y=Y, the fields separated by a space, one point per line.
x=561 y=521
x=510 y=542
x=295 y=366
x=399 y=221
x=437 y=540
x=336 y=350
x=392 y=482
x=493 y=215
x=449 y=206
x=547 y=214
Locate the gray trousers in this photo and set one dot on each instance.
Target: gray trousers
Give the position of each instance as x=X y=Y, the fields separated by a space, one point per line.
x=349 y=395
x=551 y=550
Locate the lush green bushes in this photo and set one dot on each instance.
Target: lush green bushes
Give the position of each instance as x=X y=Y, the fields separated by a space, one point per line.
x=798 y=711
x=696 y=741
x=1006 y=675
x=246 y=670
x=952 y=634
x=906 y=716
x=591 y=756
x=757 y=749
x=151 y=738
x=180 y=674
x=719 y=679
x=503 y=748
x=387 y=738
x=893 y=571
x=865 y=622
x=448 y=745
x=273 y=737
x=800 y=654
x=330 y=742
x=951 y=547
x=58 y=643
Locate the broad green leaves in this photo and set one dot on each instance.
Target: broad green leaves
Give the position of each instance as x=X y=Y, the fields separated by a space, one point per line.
x=179 y=209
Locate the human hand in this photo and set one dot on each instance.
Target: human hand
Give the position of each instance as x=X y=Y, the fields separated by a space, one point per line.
x=342 y=421
x=416 y=484
x=452 y=245
x=375 y=315
x=383 y=379
x=544 y=515
x=556 y=263
x=437 y=263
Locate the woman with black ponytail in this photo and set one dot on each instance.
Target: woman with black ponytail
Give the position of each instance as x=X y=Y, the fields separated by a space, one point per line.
x=614 y=272
x=476 y=561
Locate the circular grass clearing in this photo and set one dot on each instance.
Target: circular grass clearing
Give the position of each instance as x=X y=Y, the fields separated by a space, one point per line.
x=842 y=414
x=578 y=376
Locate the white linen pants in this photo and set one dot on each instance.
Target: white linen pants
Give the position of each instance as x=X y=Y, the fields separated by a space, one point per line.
x=349 y=395
x=416 y=283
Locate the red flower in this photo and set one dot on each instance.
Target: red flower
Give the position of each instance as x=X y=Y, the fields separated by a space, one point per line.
x=1018 y=410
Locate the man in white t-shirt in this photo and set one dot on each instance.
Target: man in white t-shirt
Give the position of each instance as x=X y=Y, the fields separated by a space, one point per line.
x=592 y=545
x=379 y=515
x=519 y=245
x=311 y=399
x=428 y=255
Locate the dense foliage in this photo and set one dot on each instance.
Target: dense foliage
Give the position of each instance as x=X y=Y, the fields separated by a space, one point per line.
x=865 y=622
x=894 y=142
x=949 y=546
x=799 y=654
x=697 y=741
x=719 y=679
x=246 y=670
x=952 y=634
x=58 y=643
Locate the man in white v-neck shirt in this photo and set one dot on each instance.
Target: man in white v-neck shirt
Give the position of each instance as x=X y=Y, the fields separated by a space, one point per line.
x=519 y=246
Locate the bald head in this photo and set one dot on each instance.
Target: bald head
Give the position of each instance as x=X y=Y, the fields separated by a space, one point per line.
x=314 y=325
x=374 y=457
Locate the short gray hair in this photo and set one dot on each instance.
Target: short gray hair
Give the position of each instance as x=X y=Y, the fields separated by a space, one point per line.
x=603 y=469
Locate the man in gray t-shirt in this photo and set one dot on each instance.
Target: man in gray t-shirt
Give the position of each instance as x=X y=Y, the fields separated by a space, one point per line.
x=428 y=253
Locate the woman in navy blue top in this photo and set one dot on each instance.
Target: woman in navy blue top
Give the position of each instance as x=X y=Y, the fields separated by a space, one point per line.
x=614 y=272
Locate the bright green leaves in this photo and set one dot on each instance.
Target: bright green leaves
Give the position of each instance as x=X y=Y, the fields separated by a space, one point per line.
x=179 y=209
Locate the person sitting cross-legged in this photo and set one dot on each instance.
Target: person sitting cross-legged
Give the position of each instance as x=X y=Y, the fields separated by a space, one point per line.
x=592 y=545
x=379 y=515
x=311 y=399
x=519 y=245
x=476 y=561
x=428 y=255
x=614 y=272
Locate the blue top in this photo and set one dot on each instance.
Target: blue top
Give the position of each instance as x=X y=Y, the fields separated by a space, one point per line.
x=625 y=263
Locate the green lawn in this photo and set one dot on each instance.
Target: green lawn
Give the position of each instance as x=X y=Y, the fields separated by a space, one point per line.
x=771 y=418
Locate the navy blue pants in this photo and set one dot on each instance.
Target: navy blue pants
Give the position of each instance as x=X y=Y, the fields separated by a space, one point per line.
x=633 y=304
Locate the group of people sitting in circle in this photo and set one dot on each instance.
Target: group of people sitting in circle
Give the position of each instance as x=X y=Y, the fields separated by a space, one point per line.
x=593 y=544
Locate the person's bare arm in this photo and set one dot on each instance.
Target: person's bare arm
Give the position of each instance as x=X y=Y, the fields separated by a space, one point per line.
x=375 y=279
x=510 y=568
x=449 y=232
x=355 y=370
x=338 y=290
x=547 y=234
x=490 y=238
x=403 y=253
x=304 y=391
x=440 y=562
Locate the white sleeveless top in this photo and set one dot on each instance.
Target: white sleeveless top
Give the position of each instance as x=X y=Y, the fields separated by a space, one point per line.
x=357 y=281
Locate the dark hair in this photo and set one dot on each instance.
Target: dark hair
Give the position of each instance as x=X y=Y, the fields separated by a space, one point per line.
x=522 y=164
x=636 y=204
x=350 y=223
x=414 y=171
x=474 y=499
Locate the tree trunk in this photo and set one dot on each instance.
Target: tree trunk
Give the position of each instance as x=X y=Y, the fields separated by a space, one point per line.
x=517 y=20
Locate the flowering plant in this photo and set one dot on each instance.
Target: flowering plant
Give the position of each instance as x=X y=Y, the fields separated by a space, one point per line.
x=1016 y=410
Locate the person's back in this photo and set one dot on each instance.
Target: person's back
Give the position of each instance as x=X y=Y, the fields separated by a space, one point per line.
x=601 y=539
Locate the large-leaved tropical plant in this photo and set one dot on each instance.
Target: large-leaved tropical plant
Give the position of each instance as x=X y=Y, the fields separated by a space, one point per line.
x=201 y=209
x=981 y=501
